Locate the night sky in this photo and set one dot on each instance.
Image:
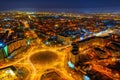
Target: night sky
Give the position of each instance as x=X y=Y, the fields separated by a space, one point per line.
x=13 y=4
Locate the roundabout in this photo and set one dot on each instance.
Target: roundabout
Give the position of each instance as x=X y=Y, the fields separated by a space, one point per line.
x=44 y=57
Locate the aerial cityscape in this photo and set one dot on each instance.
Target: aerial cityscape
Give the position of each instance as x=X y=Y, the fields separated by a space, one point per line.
x=60 y=40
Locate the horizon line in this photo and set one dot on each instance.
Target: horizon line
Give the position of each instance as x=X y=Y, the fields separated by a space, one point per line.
x=77 y=10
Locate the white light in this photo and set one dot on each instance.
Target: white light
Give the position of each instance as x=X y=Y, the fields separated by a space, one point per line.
x=98 y=34
x=71 y=65
x=47 y=43
x=1 y=44
x=10 y=72
x=81 y=38
x=86 y=78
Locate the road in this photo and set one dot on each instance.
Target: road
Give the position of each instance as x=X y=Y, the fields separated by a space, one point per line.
x=36 y=71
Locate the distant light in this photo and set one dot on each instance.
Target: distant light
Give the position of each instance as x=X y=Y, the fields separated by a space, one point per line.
x=84 y=30
x=102 y=32
x=29 y=17
x=2 y=44
x=71 y=65
x=98 y=34
x=81 y=38
x=47 y=43
x=28 y=42
x=56 y=25
x=86 y=77
x=89 y=36
x=5 y=19
x=73 y=36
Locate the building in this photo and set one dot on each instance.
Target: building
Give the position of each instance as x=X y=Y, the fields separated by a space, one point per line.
x=3 y=51
x=8 y=73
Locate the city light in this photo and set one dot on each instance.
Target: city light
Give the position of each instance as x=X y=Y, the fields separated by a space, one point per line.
x=71 y=65
x=86 y=77
x=2 y=44
x=39 y=45
x=81 y=38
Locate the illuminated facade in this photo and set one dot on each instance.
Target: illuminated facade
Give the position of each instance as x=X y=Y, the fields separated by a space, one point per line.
x=8 y=73
x=15 y=45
